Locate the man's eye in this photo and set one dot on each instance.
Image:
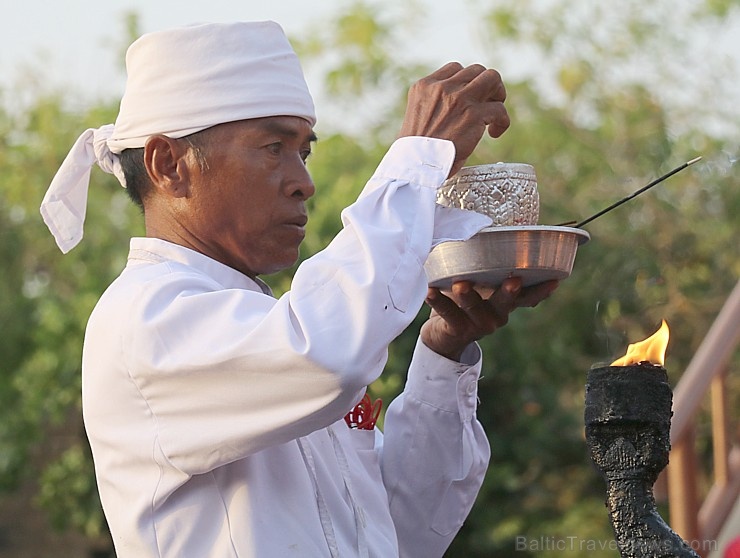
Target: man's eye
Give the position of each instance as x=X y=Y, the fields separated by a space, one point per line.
x=305 y=154
x=275 y=148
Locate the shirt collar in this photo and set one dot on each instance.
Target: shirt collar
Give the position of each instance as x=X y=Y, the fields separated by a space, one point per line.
x=156 y=250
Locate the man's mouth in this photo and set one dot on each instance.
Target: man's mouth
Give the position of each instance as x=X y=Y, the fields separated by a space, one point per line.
x=298 y=221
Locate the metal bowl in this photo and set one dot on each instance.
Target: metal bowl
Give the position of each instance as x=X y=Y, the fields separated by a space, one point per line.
x=506 y=192
x=535 y=253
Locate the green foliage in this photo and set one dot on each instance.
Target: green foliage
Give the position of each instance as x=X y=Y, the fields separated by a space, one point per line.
x=594 y=131
x=47 y=299
x=361 y=56
x=69 y=492
x=721 y=8
x=670 y=254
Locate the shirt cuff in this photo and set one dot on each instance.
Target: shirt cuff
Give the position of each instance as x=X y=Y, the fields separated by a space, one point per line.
x=427 y=162
x=420 y=160
x=443 y=383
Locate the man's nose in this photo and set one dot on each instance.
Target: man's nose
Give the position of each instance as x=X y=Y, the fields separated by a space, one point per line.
x=300 y=184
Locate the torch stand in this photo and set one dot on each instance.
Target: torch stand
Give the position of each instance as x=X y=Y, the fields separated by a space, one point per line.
x=628 y=421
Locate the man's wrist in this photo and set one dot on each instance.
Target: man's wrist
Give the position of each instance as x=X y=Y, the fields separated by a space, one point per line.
x=438 y=381
x=467 y=354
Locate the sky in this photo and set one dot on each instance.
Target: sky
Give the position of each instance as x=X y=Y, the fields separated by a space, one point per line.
x=76 y=43
x=75 y=40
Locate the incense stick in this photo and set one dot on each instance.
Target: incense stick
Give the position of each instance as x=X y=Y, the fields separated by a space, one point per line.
x=640 y=191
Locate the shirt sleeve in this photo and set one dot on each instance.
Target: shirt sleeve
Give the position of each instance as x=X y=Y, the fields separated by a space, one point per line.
x=435 y=452
x=227 y=372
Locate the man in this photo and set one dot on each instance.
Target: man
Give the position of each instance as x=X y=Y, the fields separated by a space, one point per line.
x=215 y=412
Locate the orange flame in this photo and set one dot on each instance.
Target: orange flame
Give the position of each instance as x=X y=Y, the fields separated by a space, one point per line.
x=650 y=350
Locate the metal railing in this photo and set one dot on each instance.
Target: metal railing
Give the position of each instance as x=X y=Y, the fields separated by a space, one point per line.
x=694 y=520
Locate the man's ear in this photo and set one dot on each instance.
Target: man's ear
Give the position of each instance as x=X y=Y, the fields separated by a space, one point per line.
x=166 y=164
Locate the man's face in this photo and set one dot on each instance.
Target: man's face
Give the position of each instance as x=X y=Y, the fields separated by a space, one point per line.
x=248 y=206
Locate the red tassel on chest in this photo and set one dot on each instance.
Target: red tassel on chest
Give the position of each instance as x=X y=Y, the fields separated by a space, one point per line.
x=365 y=414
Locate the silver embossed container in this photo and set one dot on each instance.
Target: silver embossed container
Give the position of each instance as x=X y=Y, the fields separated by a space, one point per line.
x=506 y=192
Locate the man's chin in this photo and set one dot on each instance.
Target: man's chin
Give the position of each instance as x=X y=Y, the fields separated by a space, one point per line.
x=277 y=267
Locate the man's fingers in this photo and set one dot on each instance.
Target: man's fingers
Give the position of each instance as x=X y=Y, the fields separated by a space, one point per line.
x=474 y=308
x=461 y=315
x=442 y=305
x=496 y=117
x=503 y=300
x=475 y=81
x=447 y=71
x=464 y=294
x=531 y=296
x=465 y=76
x=458 y=104
x=463 y=308
x=486 y=85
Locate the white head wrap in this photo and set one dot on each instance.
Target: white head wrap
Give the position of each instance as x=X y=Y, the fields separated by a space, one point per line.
x=181 y=81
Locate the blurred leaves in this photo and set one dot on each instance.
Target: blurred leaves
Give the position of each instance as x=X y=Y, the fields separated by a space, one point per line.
x=69 y=492
x=46 y=301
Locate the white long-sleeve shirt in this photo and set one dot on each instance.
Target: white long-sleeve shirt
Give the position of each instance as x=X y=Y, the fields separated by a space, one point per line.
x=215 y=411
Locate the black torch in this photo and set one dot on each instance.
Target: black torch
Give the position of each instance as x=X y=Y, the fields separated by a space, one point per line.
x=628 y=421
